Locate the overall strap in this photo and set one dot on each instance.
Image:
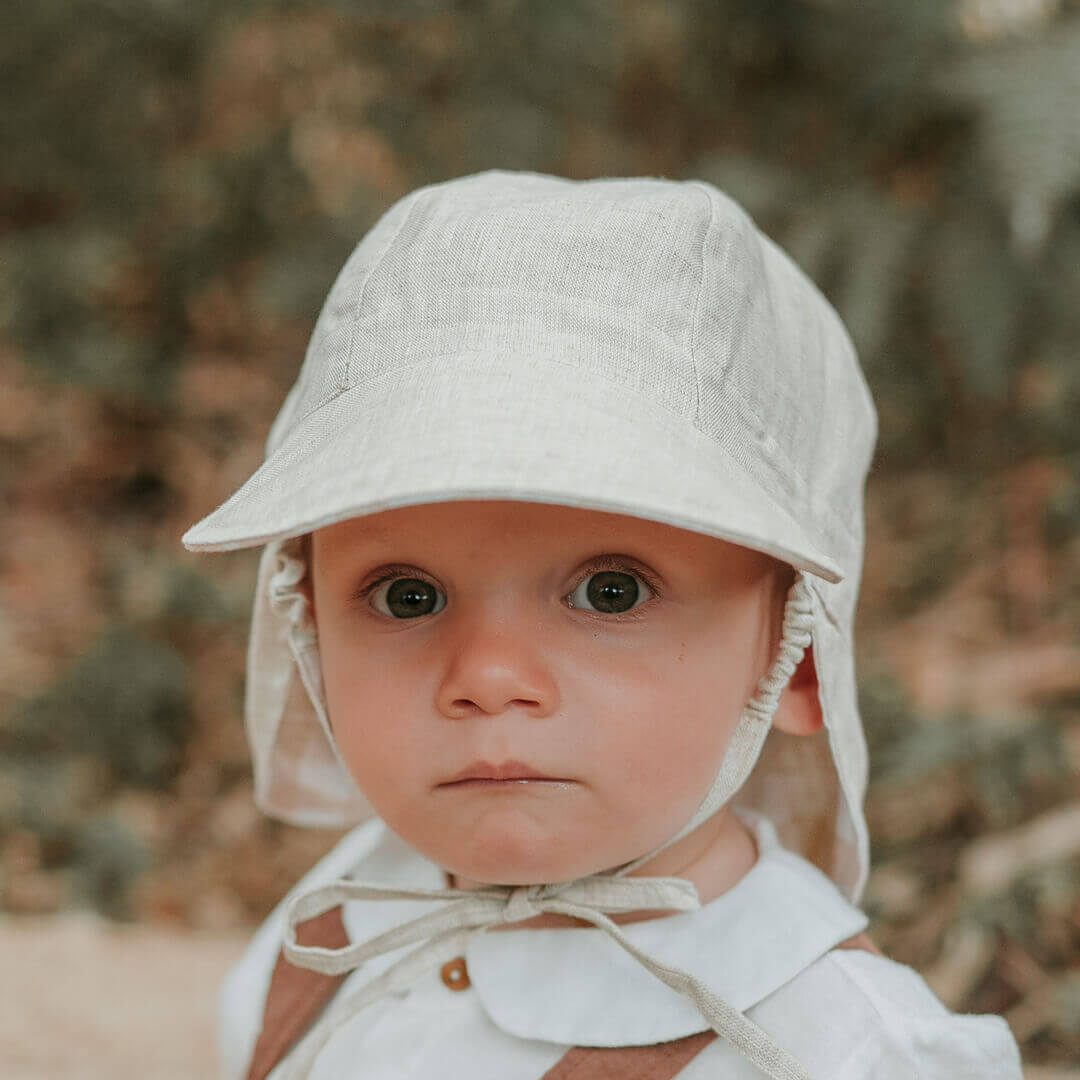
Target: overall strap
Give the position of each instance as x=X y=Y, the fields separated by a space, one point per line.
x=297 y=996
x=860 y=941
x=659 y=1061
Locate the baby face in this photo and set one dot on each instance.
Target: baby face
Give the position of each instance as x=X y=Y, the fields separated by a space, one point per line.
x=529 y=692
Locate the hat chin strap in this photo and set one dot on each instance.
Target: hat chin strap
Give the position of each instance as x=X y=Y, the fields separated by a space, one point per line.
x=749 y=736
x=742 y=752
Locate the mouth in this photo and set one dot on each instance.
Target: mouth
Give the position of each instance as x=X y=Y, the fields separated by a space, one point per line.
x=485 y=774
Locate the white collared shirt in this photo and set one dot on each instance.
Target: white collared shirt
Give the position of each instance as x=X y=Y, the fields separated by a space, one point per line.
x=766 y=945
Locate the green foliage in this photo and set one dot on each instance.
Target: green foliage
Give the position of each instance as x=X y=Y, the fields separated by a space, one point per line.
x=929 y=183
x=1024 y=102
x=123 y=703
x=110 y=856
x=49 y=793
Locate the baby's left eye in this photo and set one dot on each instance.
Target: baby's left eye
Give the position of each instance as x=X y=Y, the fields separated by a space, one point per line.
x=611 y=592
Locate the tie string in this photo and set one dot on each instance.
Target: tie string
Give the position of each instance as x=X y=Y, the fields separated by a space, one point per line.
x=464 y=913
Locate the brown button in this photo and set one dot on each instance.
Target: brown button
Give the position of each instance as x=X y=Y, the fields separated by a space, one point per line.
x=455 y=975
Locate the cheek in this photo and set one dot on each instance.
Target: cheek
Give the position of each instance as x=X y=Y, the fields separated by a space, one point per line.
x=662 y=716
x=373 y=705
x=674 y=741
x=662 y=753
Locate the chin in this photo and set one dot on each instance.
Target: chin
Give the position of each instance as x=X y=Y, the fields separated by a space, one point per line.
x=513 y=855
x=519 y=874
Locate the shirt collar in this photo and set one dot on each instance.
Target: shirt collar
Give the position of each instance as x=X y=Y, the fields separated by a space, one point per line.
x=577 y=987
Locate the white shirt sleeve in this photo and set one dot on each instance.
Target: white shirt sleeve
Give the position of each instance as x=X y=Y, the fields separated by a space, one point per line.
x=955 y=1048
x=915 y=1035
x=853 y=1015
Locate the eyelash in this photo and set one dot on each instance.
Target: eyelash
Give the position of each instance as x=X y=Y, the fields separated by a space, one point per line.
x=602 y=562
x=611 y=562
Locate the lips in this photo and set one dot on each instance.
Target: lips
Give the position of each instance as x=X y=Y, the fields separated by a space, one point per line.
x=505 y=770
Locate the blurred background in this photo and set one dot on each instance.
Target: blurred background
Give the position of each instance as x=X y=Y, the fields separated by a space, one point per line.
x=180 y=182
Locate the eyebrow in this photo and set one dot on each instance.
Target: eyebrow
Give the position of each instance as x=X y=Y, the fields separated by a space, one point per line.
x=375 y=532
x=371 y=531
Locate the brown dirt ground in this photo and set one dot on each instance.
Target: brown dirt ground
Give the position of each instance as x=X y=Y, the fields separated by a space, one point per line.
x=82 y=999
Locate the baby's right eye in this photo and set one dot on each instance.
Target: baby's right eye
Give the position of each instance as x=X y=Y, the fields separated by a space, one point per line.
x=406 y=598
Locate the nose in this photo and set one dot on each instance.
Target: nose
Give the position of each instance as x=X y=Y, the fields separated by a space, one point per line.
x=497 y=664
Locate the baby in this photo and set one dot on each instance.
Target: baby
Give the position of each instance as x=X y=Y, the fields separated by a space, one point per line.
x=563 y=534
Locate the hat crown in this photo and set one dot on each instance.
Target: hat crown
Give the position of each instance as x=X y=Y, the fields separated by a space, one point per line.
x=660 y=286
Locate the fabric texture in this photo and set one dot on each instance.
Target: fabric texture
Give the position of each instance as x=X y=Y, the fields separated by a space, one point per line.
x=769 y=944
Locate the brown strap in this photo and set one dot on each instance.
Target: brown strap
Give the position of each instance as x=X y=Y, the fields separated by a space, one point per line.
x=859 y=941
x=296 y=995
x=658 y=1061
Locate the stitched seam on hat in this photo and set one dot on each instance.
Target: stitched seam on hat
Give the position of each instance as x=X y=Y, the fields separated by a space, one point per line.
x=428 y=358
x=697 y=303
x=355 y=314
x=827 y=609
x=840 y=502
x=790 y=477
x=787 y=476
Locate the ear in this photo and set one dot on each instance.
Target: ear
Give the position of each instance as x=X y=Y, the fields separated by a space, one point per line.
x=307 y=588
x=798 y=710
x=307 y=583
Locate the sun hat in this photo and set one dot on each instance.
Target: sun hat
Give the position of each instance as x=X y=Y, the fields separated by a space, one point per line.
x=634 y=345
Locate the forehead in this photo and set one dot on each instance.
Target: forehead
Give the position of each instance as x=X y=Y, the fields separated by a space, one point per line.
x=506 y=515
x=488 y=524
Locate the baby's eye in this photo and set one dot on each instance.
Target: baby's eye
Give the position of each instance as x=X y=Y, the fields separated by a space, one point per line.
x=406 y=598
x=609 y=591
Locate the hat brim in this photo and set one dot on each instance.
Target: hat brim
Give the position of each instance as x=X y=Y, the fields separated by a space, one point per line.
x=439 y=430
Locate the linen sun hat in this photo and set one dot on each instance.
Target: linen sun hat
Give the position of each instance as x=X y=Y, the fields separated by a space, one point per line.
x=634 y=345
